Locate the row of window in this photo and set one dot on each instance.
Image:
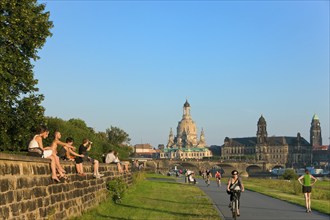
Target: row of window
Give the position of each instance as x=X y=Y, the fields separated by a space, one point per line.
x=251 y=151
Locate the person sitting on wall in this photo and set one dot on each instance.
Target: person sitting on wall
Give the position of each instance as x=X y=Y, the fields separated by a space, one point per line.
x=112 y=158
x=36 y=147
x=83 y=149
x=67 y=153
x=67 y=146
x=136 y=164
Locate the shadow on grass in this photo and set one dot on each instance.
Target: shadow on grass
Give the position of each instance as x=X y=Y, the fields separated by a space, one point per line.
x=99 y=215
x=167 y=181
x=154 y=179
x=172 y=201
x=177 y=214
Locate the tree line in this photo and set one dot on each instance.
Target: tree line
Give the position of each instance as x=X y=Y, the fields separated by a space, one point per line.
x=24 y=28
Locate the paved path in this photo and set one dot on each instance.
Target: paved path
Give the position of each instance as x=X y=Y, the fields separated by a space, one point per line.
x=255 y=206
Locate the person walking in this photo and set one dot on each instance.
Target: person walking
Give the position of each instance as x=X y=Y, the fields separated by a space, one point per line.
x=307 y=188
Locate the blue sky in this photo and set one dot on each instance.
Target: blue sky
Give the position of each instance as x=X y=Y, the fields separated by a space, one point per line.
x=132 y=64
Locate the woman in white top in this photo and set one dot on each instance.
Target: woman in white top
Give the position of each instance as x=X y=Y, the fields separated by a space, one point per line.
x=36 y=144
x=112 y=158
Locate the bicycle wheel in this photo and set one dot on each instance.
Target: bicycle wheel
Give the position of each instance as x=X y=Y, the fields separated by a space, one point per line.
x=234 y=209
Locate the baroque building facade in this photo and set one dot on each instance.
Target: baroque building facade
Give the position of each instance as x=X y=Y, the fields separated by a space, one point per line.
x=282 y=150
x=186 y=145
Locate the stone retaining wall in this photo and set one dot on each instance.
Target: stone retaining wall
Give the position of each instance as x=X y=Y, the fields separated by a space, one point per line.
x=28 y=192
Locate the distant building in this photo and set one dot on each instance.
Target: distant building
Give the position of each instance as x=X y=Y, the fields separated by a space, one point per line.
x=283 y=150
x=185 y=145
x=144 y=150
x=321 y=155
x=315 y=132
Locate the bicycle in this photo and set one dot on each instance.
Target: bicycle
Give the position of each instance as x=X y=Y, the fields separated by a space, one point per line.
x=234 y=203
x=207 y=181
x=218 y=180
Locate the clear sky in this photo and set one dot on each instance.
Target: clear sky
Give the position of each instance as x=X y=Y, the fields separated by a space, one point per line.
x=133 y=64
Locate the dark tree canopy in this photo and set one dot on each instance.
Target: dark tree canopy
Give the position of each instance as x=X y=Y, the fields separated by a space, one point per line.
x=117 y=136
x=24 y=28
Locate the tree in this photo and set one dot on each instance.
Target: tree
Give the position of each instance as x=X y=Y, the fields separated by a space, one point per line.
x=24 y=27
x=117 y=136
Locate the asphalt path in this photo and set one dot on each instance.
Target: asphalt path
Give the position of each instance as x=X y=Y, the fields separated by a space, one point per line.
x=255 y=206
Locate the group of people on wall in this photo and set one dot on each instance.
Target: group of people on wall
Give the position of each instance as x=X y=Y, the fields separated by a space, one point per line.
x=67 y=152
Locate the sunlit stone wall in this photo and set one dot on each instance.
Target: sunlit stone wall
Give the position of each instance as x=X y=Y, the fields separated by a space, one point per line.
x=28 y=192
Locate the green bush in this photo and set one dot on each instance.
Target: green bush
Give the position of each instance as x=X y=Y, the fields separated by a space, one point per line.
x=289 y=174
x=117 y=188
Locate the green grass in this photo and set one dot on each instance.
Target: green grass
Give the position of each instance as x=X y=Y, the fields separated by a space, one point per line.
x=157 y=198
x=291 y=191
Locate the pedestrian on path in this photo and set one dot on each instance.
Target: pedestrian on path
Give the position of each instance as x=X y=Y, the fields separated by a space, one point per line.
x=307 y=188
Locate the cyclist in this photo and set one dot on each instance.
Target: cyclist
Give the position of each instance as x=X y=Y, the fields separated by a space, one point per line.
x=235 y=183
x=208 y=177
x=218 y=178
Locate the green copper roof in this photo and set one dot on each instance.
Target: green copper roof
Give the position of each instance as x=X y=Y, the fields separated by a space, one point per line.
x=315 y=117
x=192 y=149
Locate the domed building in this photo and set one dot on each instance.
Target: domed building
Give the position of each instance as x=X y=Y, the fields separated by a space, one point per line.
x=186 y=144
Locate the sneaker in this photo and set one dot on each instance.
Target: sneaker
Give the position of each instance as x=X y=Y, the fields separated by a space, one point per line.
x=101 y=174
x=96 y=176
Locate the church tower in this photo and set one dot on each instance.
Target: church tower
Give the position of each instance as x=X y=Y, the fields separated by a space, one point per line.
x=262 y=131
x=170 y=142
x=202 y=142
x=315 y=132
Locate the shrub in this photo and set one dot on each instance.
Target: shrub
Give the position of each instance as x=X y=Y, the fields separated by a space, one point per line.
x=289 y=174
x=117 y=188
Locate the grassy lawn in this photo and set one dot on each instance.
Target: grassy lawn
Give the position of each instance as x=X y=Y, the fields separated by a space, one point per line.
x=157 y=197
x=291 y=191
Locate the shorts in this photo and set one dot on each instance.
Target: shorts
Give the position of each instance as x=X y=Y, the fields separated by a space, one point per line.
x=306 y=189
x=89 y=159
x=47 y=153
x=78 y=160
